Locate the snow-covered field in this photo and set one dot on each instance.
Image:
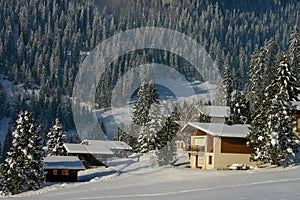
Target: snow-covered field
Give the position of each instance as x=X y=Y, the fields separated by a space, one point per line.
x=132 y=179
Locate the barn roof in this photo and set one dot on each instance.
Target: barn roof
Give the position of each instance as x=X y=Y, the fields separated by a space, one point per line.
x=63 y=162
x=88 y=148
x=96 y=147
x=219 y=129
x=216 y=111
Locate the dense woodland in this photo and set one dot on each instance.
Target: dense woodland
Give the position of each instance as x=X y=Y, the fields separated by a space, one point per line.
x=42 y=44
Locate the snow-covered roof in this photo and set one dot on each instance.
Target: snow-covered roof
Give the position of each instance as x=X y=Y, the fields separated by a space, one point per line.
x=63 y=162
x=216 y=111
x=220 y=130
x=90 y=148
x=118 y=145
x=97 y=147
x=297 y=104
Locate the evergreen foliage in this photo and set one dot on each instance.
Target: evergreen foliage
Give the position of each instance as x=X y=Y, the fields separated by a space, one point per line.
x=227 y=85
x=23 y=167
x=166 y=155
x=271 y=133
x=149 y=136
x=55 y=139
x=240 y=110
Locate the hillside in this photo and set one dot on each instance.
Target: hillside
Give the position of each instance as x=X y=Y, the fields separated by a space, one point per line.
x=43 y=43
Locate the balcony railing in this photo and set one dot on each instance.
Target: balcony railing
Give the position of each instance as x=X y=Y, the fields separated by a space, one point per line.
x=196 y=148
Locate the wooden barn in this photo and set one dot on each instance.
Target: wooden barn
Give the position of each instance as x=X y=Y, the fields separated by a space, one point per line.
x=62 y=168
x=96 y=152
x=217 y=146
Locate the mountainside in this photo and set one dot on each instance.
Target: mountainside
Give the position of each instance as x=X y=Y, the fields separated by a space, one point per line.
x=42 y=43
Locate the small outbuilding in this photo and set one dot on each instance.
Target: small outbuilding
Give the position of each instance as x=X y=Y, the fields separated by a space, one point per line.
x=96 y=152
x=62 y=168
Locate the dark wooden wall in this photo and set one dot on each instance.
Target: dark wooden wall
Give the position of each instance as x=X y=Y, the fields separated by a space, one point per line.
x=234 y=145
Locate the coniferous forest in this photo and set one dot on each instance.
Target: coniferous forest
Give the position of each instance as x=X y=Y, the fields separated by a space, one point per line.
x=42 y=44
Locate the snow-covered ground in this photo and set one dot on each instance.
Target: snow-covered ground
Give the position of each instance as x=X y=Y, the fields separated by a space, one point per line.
x=133 y=179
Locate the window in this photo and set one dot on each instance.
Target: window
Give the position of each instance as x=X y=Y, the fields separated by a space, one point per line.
x=210 y=160
x=55 y=172
x=65 y=172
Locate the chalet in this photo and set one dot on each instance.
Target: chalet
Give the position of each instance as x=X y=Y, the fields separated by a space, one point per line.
x=297 y=116
x=62 y=168
x=96 y=152
x=217 y=145
x=216 y=114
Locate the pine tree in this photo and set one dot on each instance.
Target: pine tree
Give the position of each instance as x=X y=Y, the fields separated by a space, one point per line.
x=55 y=139
x=294 y=51
x=255 y=79
x=227 y=85
x=23 y=167
x=286 y=80
x=167 y=153
x=148 y=138
x=240 y=110
x=147 y=95
x=259 y=138
x=141 y=106
x=271 y=134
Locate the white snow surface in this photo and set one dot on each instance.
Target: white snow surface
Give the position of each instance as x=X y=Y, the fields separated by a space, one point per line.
x=133 y=179
x=218 y=129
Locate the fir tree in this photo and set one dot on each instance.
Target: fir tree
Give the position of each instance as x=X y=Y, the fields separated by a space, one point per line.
x=147 y=95
x=141 y=106
x=255 y=79
x=23 y=167
x=271 y=135
x=227 y=85
x=167 y=153
x=286 y=80
x=148 y=138
x=240 y=110
x=55 y=139
x=294 y=51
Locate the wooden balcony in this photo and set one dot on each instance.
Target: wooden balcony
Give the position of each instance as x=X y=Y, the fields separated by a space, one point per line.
x=195 y=148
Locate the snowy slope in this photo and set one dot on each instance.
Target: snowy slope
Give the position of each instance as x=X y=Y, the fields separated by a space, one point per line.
x=179 y=183
x=123 y=115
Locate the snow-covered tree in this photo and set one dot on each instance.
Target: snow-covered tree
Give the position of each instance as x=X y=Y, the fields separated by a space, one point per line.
x=271 y=134
x=240 y=110
x=55 y=139
x=141 y=106
x=255 y=76
x=294 y=51
x=147 y=95
x=166 y=155
x=284 y=142
x=23 y=167
x=259 y=134
x=227 y=85
x=286 y=80
x=148 y=138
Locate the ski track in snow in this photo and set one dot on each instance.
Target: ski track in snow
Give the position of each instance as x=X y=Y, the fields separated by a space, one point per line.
x=190 y=190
